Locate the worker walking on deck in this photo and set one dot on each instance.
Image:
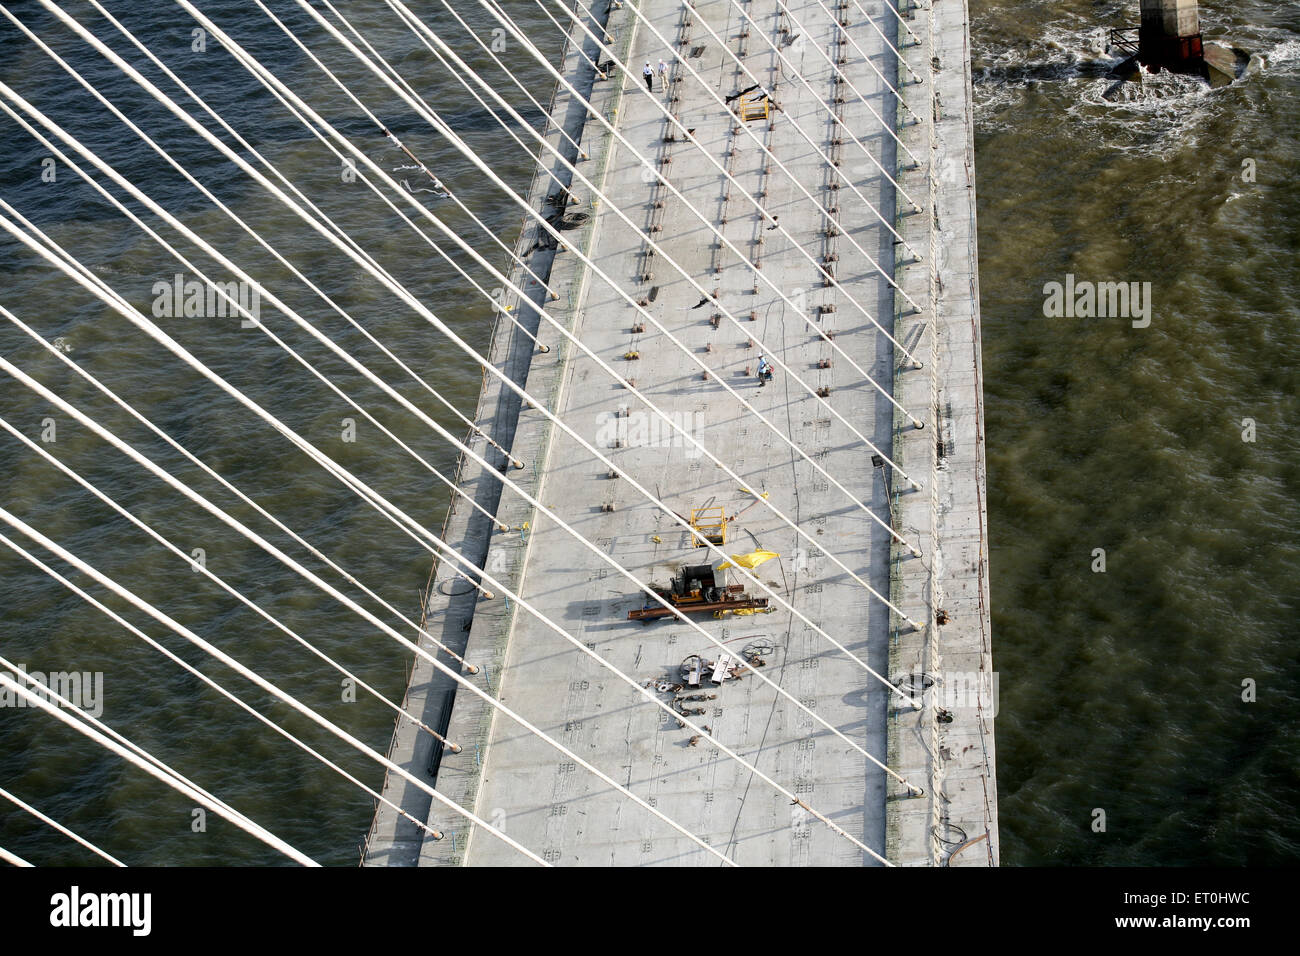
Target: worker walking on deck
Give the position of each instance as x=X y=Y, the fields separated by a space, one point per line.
x=663 y=72
x=764 y=371
x=649 y=75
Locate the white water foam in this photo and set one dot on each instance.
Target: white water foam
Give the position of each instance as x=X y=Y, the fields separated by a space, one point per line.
x=1162 y=111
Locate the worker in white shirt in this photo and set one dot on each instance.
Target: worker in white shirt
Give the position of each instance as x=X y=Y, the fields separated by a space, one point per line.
x=649 y=75
x=663 y=72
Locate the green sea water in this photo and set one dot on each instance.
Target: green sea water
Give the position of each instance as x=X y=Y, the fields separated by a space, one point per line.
x=1173 y=448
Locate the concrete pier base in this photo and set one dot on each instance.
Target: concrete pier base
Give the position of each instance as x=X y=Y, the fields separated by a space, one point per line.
x=1169 y=36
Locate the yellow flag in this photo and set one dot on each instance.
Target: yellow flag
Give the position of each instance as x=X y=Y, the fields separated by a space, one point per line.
x=751 y=560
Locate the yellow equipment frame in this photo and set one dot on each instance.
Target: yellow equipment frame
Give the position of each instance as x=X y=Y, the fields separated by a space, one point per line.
x=754 y=106
x=710 y=526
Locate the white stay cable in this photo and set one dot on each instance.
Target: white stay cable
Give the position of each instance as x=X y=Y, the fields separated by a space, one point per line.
x=156 y=333
x=689 y=438
x=257 y=238
x=685 y=351
x=491 y=234
x=421 y=30
x=786 y=64
x=89 y=276
x=48 y=821
x=13 y=859
x=233 y=592
x=125 y=309
x=342 y=234
x=523 y=88
x=841 y=27
x=898 y=57
x=464 y=149
x=794 y=124
x=897 y=16
x=217 y=654
x=510 y=384
x=308 y=546
x=463 y=69
x=120 y=305
x=466 y=564
x=640 y=689
x=172 y=780
x=576 y=46
x=71 y=707
x=127 y=625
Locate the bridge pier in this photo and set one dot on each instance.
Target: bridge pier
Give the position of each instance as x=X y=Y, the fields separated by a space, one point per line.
x=1169 y=36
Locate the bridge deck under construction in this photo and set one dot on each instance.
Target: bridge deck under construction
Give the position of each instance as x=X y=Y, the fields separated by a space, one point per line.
x=518 y=782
